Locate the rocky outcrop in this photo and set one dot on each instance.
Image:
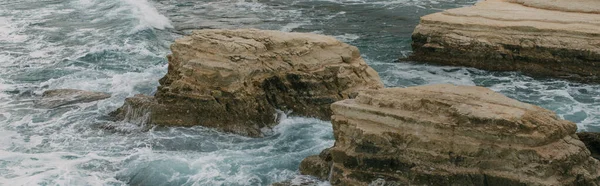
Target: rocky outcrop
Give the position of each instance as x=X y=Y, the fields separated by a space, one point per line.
x=235 y=80
x=582 y=6
x=452 y=135
x=300 y=181
x=317 y=165
x=592 y=142
x=60 y=97
x=536 y=37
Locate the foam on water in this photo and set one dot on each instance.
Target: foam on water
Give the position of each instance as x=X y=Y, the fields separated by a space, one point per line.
x=211 y=158
x=291 y=26
x=8 y=32
x=148 y=15
x=55 y=168
x=576 y=102
x=106 y=48
x=232 y=14
x=118 y=46
x=347 y=37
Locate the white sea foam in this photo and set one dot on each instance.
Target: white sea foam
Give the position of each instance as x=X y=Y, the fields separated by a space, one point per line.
x=572 y=101
x=107 y=48
x=394 y=74
x=9 y=31
x=58 y=146
x=291 y=26
x=347 y=37
x=55 y=168
x=227 y=159
x=148 y=15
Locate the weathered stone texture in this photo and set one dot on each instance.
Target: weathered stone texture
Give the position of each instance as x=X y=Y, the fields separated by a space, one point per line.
x=453 y=135
x=235 y=80
x=542 y=38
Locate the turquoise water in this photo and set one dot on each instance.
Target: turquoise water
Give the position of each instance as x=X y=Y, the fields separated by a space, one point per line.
x=119 y=47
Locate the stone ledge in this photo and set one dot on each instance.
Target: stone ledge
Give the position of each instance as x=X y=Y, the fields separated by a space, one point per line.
x=452 y=135
x=504 y=36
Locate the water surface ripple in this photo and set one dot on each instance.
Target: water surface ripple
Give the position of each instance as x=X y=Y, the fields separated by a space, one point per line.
x=119 y=47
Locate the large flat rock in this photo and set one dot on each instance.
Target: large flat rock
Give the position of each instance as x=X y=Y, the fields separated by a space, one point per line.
x=547 y=38
x=452 y=135
x=236 y=80
x=583 y=6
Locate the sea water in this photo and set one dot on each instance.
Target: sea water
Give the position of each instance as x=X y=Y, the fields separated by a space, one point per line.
x=119 y=47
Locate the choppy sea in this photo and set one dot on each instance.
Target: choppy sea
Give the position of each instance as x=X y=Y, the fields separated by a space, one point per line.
x=119 y=47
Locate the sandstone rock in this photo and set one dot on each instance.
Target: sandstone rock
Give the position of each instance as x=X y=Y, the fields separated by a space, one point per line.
x=299 y=181
x=60 y=97
x=317 y=165
x=591 y=141
x=289 y=183
x=454 y=135
x=537 y=37
x=138 y=109
x=584 y=6
x=235 y=80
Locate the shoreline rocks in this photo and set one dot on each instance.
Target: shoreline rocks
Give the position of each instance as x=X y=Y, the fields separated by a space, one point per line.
x=61 y=97
x=451 y=135
x=541 y=38
x=592 y=142
x=236 y=80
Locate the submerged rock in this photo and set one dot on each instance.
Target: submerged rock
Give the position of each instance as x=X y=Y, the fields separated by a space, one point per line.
x=235 y=80
x=60 y=97
x=536 y=37
x=451 y=135
x=300 y=181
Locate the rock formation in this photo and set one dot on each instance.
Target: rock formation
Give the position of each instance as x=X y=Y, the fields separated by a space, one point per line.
x=60 y=97
x=450 y=135
x=235 y=80
x=537 y=37
x=317 y=165
x=591 y=141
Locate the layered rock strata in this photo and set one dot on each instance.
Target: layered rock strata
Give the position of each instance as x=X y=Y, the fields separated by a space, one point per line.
x=450 y=135
x=537 y=37
x=236 y=80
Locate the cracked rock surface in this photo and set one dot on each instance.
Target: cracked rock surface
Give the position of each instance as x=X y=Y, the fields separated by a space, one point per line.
x=236 y=80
